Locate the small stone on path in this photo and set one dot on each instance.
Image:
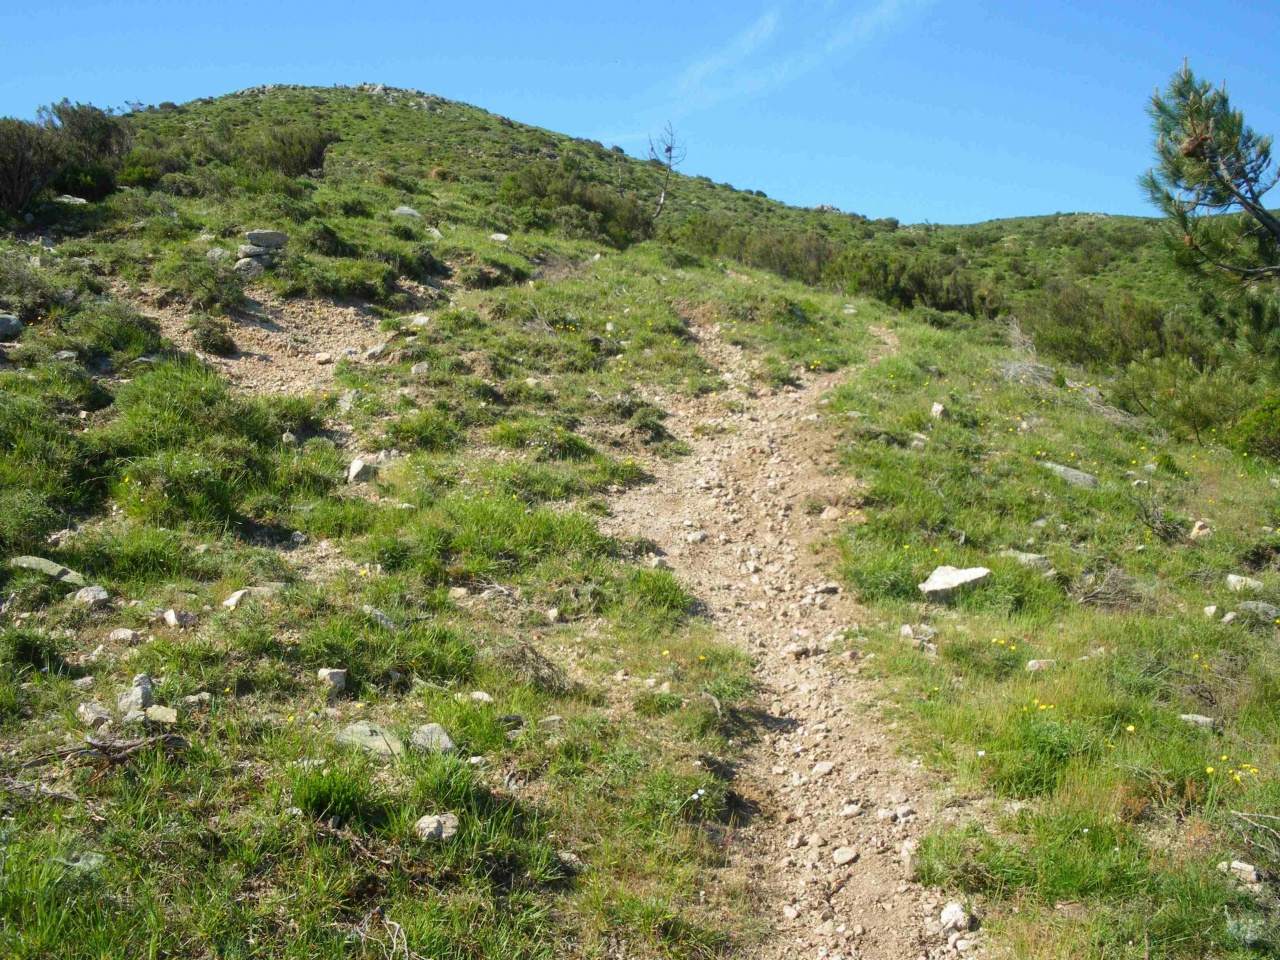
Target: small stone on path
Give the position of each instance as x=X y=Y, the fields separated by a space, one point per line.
x=442 y=827
x=92 y=715
x=361 y=471
x=138 y=697
x=334 y=677
x=158 y=714
x=431 y=738
x=179 y=618
x=1240 y=584
x=1039 y=561
x=953 y=918
x=93 y=597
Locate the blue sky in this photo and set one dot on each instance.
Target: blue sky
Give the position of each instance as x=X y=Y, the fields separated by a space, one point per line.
x=920 y=109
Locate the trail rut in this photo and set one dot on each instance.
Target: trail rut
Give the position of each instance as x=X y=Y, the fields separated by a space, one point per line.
x=839 y=809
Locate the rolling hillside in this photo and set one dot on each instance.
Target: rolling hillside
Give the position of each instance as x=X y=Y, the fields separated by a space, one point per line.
x=415 y=549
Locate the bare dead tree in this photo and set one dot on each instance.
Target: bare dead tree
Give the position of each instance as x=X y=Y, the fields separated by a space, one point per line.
x=669 y=153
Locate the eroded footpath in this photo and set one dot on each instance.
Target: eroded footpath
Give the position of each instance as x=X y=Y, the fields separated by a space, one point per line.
x=746 y=522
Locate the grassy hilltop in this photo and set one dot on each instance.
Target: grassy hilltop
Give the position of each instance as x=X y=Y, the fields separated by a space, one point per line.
x=468 y=583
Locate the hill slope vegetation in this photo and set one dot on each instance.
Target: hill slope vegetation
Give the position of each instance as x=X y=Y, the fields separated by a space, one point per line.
x=321 y=409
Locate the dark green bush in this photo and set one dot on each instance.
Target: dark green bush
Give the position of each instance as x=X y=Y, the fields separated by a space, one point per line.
x=788 y=251
x=111 y=329
x=29 y=160
x=188 y=275
x=565 y=196
x=1084 y=327
x=305 y=275
x=24 y=290
x=212 y=335
x=23 y=648
x=322 y=238
x=1258 y=431
x=25 y=518
x=292 y=150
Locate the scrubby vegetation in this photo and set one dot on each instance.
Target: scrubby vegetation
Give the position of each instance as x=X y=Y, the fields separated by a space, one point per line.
x=590 y=810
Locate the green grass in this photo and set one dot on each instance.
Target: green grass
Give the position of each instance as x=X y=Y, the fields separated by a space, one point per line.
x=590 y=823
x=1128 y=806
x=596 y=829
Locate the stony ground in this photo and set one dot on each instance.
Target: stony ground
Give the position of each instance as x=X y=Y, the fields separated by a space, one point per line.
x=745 y=522
x=285 y=345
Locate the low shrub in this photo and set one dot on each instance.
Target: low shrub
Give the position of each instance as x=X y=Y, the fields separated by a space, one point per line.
x=319 y=236
x=292 y=150
x=1258 y=430
x=549 y=441
x=190 y=276
x=24 y=290
x=566 y=197
x=330 y=790
x=426 y=430
x=212 y=335
x=304 y=275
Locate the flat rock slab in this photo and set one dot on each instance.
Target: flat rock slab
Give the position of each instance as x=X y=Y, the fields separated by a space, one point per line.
x=1241 y=584
x=1077 y=478
x=370 y=738
x=945 y=581
x=272 y=239
x=159 y=714
x=1256 y=608
x=55 y=571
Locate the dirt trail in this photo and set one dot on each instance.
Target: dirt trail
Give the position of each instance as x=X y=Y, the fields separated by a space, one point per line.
x=836 y=804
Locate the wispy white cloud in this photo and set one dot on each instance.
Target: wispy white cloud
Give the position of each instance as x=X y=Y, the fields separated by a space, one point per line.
x=775 y=51
x=742 y=47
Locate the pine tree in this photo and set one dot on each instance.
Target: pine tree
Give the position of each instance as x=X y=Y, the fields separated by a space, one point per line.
x=1212 y=173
